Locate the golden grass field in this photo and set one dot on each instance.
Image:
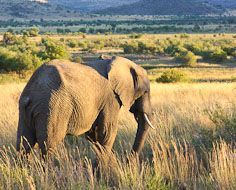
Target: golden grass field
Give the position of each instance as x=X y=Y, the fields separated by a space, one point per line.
x=192 y=148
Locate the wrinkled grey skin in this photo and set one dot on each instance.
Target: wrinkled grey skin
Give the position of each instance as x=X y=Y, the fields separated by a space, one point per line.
x=66 y=98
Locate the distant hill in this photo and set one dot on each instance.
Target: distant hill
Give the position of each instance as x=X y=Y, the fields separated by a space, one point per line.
x=33 y=9
x=225 y=4
x=90 y=5
x=164 y=7
x=60 y=9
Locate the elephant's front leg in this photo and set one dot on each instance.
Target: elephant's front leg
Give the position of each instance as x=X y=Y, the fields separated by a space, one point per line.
x=106 y=131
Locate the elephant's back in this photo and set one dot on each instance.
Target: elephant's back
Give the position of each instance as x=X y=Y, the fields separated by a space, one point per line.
x=75 y=75
x=43 y=81
x=82 y=93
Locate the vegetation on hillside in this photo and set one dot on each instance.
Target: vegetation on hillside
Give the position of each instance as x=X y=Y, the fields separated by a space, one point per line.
x=163 y=7
x=95 y=24
x=33 y=10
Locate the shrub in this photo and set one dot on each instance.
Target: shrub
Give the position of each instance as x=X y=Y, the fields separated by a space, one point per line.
x=9 y=38
x=215 y=55
x=135 y=36
x=53 y=50
x=187 y=58
x=146 y=48
x=6 y=59
x=196 y=47
x=184 y=35
x=140 y=47
x=26 y=61
x=83 y=45
x=72 y=43
x=31 y=32
x=77 y=59
x=130 y=48
x=174 y=48
x=18 y=61
x=172 y=76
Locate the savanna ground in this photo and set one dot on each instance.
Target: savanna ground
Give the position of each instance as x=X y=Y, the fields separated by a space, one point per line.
x=193 y=146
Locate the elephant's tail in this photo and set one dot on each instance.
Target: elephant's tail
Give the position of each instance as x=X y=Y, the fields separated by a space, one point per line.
x=22 y=123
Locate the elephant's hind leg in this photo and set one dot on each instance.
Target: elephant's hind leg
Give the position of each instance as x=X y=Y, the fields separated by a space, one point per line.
x=26 y=140
x=49 y=135
x=26 y=137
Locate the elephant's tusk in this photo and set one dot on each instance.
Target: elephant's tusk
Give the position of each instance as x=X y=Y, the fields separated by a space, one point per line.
x=148 y=121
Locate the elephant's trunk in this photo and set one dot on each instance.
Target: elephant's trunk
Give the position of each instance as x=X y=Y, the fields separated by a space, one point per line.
x=143 y=126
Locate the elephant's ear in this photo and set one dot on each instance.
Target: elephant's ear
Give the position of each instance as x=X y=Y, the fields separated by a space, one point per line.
x=123 y=79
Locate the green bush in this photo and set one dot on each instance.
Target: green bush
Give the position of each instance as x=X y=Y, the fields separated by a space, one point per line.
x=174 y=48
x=53 y=50
x=135 y=36
x=195 y=47
x=72 y=43
x=9 y=38
x=184 y=35
x=215 y=55
x=187 y=58
x=26 y=61
x=31 y=32
x=140 y=47
x=7 y=59
x=130 y=48
x=172 y=76
x=77 y=59
x=146 y=48
x=18 y=61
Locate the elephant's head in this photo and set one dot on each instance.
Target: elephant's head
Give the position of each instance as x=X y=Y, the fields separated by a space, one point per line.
x=130 y=82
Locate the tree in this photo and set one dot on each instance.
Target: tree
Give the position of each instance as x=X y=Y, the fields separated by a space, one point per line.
x=187 y=58
x=9 y=38
x=6 y=59
x=53 y=50
x=26 y=61
x=31 y=32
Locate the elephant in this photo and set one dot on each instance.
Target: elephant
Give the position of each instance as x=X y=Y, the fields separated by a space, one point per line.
x=65 y=98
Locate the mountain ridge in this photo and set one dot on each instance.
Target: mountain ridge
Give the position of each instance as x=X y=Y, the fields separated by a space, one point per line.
x=164 y=7
x=34 y=9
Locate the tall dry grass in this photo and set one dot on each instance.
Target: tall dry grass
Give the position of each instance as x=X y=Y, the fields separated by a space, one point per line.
x=192 y=148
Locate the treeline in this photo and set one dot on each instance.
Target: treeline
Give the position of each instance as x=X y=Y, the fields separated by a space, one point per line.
x=168 y=20
x=122 y=29
x=153 y=25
